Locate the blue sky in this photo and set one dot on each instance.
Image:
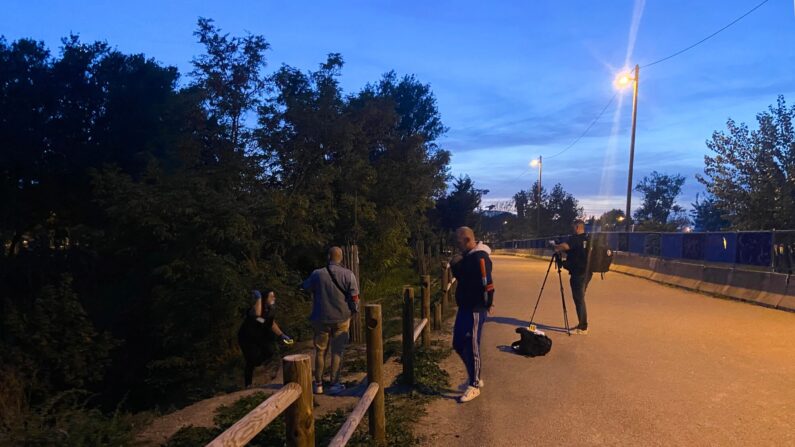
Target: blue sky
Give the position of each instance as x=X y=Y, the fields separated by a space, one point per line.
x=514 y=80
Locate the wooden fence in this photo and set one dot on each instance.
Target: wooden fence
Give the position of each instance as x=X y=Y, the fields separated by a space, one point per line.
x=295 y=399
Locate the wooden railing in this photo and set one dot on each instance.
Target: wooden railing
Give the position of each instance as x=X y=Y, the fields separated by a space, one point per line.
x=410 y=332
x=295 y=399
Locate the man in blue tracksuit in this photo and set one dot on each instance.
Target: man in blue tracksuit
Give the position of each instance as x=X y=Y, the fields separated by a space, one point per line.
x=474 y=296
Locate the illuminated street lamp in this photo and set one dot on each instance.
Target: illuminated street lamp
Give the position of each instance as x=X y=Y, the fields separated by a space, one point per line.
x=619 y=219
x=622 y=81
x=537 y=162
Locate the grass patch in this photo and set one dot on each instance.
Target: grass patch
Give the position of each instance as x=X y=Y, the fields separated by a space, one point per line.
x=274 y=434
x=225 y=417
x=430 y=378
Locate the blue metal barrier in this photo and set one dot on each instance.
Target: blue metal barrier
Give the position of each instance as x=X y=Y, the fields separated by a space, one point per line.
x=721 y=247
x=693 y=246
x=652 y=245
x=637 y=242
x=671 y=245
x=774 y=249
x=755 y=248
x=784 y=251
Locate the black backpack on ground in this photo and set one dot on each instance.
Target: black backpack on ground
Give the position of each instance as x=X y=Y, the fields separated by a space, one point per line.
x=530 y=343
x=600 y=256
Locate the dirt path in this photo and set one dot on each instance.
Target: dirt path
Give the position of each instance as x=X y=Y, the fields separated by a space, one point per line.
x=200 y=414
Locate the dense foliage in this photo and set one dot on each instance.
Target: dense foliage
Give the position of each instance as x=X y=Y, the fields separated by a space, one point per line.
x=751 y=174
x=542 y=213
x=659 y=211
x=139 y=208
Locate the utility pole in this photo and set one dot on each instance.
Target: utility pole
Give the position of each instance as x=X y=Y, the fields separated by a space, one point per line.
x=632 y=146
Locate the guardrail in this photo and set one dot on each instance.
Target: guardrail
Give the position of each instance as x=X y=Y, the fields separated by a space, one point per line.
x=773 y=250
x=295 y=399
x=754 y=285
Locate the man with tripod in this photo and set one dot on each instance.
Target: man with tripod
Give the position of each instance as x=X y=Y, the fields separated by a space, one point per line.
x=475 y=298
x=576 y=248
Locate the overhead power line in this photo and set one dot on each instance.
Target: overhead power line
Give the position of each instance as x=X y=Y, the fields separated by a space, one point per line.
x=585 y=132
x=706 y=38
x=746 y=14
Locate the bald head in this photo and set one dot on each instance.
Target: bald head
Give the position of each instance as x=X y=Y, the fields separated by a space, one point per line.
x=465 y=238
x=335 y=254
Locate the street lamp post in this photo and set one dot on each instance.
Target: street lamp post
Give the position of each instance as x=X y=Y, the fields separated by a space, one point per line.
x=537 y=162
x=623 y=81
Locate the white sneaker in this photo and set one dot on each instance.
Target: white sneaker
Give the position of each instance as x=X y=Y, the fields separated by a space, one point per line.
x=336 y=389
x=469 y=394
x=318 y=388
x=466 y=385
x=580 y=331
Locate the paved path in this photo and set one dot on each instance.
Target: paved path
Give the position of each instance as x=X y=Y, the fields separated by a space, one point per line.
x=661 y=366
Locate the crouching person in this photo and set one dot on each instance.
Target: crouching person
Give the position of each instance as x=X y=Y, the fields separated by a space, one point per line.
x=259 y=332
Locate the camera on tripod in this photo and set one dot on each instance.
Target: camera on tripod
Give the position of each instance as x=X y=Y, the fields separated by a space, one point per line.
x=559 y=262
x=557 y=259
x=556 y=256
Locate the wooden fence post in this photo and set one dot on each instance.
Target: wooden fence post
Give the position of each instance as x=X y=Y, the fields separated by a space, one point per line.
x=437 y=315
x=426 y=310
x=375 y=363
x=298 y=417
x=408 y=335
x=452 y=284
x=251 y=424
x=351 y=261
x=443 y=284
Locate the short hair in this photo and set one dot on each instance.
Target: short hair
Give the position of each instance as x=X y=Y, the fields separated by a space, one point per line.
x=466 y=231
x=335 y=254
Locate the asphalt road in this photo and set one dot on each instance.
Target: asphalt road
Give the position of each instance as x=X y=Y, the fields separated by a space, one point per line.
x=660 y=366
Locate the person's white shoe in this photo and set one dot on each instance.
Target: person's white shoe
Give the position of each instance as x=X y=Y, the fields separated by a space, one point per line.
x=469 y=394
x=318 y=388
x=466 y=384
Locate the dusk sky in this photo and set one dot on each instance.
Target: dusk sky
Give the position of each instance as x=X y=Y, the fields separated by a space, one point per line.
x=513 y=80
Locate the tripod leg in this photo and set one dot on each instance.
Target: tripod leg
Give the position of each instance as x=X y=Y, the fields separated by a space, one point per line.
x=532 y=317
x=563 y=300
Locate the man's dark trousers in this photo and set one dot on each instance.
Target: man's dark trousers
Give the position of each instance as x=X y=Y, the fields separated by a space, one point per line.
x=466 y=340
x=579 y=284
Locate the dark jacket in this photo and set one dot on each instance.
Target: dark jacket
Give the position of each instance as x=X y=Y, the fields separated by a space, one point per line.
x=577 y=254
x=469 y=290
x=257 y=339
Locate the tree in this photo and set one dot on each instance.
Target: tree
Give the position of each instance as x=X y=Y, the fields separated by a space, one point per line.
x=612 y=220
x=558 y=209
x=350 y=168
x=561 y=209
x=521 y=201
x=459 y=206
x=707 y=216
x=229 y=75
x=137 y=215
x=752 y=173
x=659 y=196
